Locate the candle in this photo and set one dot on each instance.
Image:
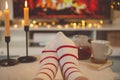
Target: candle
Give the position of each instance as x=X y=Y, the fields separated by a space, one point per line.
x=7 y=20
x=0 y=15
x=26 y=14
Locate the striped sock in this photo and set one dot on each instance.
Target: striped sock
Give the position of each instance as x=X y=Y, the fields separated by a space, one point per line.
x=68 y=58
x=48 y=63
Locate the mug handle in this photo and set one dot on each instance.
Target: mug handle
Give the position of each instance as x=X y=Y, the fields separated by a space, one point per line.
x=109 y=50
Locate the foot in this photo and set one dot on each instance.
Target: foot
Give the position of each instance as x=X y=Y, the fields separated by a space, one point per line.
x=81 y=78
x=38 y=79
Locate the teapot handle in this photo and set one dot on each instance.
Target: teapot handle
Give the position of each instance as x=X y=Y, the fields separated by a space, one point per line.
x=89 y=40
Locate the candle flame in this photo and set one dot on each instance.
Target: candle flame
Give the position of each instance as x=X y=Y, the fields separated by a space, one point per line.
x=25 y=3
x=6 y=5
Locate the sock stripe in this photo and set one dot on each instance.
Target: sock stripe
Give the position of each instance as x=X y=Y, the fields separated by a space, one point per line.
x=46 y=74
x=45 y=51
x=66 y=46
x=51 y=64
x=68 y=55
x=66 y=64
x=53 y=57
x=71 y=73
x=49 y=70
x=69 y=69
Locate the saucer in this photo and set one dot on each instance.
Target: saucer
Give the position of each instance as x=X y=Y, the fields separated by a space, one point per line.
x=95 y=65
x=98 y=61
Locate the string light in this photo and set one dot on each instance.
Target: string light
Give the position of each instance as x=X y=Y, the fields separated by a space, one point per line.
x=15 y=26
x=34 y=22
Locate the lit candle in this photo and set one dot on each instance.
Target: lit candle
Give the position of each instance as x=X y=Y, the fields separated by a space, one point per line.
x=7 y=20
x=26 y=14
x=0 y=15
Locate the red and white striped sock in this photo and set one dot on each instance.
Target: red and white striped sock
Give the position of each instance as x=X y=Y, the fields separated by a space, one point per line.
x=48 y=63
x=68 y=58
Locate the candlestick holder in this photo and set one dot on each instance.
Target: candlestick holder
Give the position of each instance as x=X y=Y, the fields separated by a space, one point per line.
x=8 y=61
x=26 y=59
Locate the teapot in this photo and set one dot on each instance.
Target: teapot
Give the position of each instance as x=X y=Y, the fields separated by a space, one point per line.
x=84 y=46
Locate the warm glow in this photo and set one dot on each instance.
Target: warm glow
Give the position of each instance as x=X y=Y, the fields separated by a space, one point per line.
x=74 y=27
x=25 y=3
x=83 y=21
x=53 y=23
x=44 y=23
x=118 y=3
x=15 y=26
x=83 y=24
x=89 y=25
x=48 y=26
x=99 y=26
x=59 y=26
x=71 y=23
x=112 y=6
x=31 y=25
x=79 y=24
x=101 y=21
x=34 y=22
x=40 y=23
x=22 y=22
x=74 y=24
x=6 y=5
x=95 y=25
x=36 y=26
x=66 y=26
x=0 y=14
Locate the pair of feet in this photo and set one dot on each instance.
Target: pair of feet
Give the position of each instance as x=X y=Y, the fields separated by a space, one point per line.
x=79 y=78
x=60 y=51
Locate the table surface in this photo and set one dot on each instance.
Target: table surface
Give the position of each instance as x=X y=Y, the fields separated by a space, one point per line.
x=116 y=63
x=18 y=72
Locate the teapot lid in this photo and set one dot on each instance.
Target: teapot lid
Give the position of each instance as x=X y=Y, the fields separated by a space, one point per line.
x=81 y=40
